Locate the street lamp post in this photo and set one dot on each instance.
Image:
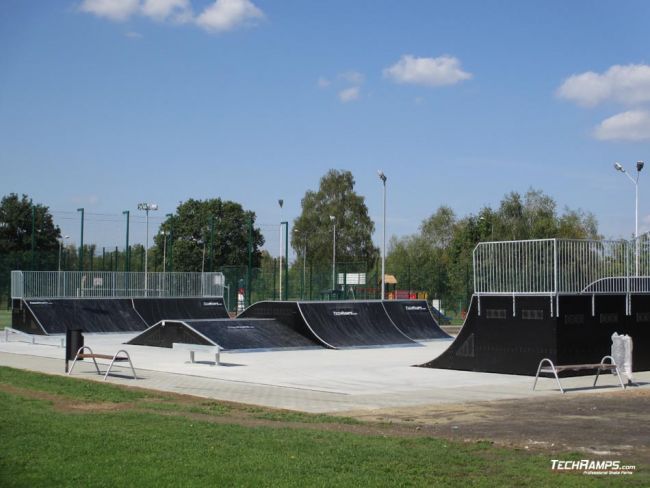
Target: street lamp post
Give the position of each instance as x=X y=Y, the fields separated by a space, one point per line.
x=58 y=291
x=281 y=203
x=383 y=179
x=164 y=234
x=146 y=207
x=81 y=246
x=333 y=220
x=635 y=182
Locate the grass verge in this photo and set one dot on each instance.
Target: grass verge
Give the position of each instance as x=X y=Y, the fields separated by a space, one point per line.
x=59 y=431
x=5 y=318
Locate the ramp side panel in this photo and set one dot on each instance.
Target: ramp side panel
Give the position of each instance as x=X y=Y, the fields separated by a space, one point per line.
x=251 y=334
x=414 y=319
x=503 y=344
x=165 y=333
x=287 y=313
x=153 y=310
x=352 y=324
x=90 y=315
x=24 y=319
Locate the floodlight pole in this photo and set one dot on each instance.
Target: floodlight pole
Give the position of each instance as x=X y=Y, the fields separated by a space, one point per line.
x=333 y=219
x=635 y=182
x=281 y=203
x=146 y=207
x=81 y=247
x=383 y=179
x=127 y=254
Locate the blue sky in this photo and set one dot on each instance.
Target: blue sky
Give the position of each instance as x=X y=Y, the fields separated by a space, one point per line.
x=107 y=103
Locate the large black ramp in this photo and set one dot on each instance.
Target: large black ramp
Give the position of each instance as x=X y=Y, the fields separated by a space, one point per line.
x=287 y=313
x=230 y=334
x=352 y=324
x=153 y=310
x=414 y=319
x=498 y=342
x=55 y=316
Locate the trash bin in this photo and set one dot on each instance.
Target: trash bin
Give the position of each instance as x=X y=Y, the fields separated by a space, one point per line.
x=622 y=353
x=74 y=340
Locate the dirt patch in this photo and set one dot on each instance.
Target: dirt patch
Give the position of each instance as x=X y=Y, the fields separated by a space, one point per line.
x=603 y=424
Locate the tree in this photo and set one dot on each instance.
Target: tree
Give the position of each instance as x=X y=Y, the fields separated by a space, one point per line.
x=208 y=234
x=16 y=226
x=354 y=228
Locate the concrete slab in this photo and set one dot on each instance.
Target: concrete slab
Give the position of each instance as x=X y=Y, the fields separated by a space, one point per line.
x=324 y=380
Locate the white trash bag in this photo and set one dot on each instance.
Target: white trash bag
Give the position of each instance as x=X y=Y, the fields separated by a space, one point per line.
x=622 y=354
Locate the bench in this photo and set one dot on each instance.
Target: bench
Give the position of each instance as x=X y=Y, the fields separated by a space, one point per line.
x=555 y=369
x=194 y=348
x=118 y=357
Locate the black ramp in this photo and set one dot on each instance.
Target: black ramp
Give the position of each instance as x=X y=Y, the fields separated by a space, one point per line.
x=54 y=316
x=153 y=310
x=414 y=319
x=498 y=342
x=286 y=312
x=230 y=334
x=251 y=334
x=352 y=324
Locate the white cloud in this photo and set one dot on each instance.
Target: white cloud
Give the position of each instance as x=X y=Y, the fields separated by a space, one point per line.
x=628 y=84
x=224 y=15
x=133 y=35
x=349 y=94
x=633 y=125
x=443 y=70
x=112 y=9
x=159 y=10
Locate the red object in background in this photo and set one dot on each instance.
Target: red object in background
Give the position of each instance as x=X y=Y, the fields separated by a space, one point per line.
x=463 y=314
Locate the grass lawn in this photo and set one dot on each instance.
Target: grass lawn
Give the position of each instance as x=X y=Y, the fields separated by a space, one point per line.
x=5 y=318
x=58 y=431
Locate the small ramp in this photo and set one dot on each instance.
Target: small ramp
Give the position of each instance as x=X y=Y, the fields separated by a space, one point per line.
x=414 y=319
x=153 y=310
x=229 y=334
x=55 y=316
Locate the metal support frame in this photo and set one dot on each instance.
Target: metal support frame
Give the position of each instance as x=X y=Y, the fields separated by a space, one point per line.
x=116 y=357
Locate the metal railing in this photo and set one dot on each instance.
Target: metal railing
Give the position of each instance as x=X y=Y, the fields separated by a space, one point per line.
x=108 y=284
x=562 y=266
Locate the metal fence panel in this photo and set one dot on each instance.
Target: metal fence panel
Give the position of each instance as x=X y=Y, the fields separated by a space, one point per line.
x=108 y=284
x=562 y=266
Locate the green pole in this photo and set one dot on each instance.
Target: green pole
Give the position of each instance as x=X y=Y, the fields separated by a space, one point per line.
x=142 y=258
x=127 y=257
x=33 y=235
x=116 y=258
x=103 y=259
x=171 y=243
x=249 y=271
x=286 y=260
x=81 y=246
x=210 y=269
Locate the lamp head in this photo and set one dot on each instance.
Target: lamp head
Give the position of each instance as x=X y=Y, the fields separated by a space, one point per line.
x=382 y=176
x=332 y=218
x=619 y=167
x=639 y=165
x=280 y=202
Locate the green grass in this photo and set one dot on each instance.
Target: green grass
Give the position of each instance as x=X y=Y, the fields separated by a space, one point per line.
x=5 y=318
x=47 y=442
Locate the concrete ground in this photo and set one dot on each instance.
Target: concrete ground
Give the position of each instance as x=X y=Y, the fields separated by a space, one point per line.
x=315 y=380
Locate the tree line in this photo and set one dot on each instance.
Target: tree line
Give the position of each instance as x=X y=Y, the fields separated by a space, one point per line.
x=217 y=235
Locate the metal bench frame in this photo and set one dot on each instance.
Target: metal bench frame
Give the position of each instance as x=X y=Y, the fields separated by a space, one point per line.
x=114 y=358
x=553 y=369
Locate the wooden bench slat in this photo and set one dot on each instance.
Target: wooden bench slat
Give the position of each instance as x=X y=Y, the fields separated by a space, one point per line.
x=102 y=356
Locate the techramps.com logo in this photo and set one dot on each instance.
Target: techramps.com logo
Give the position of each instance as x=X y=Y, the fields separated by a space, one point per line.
x=410 y=308
x=344 y=313
x=593 y=468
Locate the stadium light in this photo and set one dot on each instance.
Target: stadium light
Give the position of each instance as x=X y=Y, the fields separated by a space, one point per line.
x=146 y=207
x=333 y=220
x=635 y=182
x=383 y=179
